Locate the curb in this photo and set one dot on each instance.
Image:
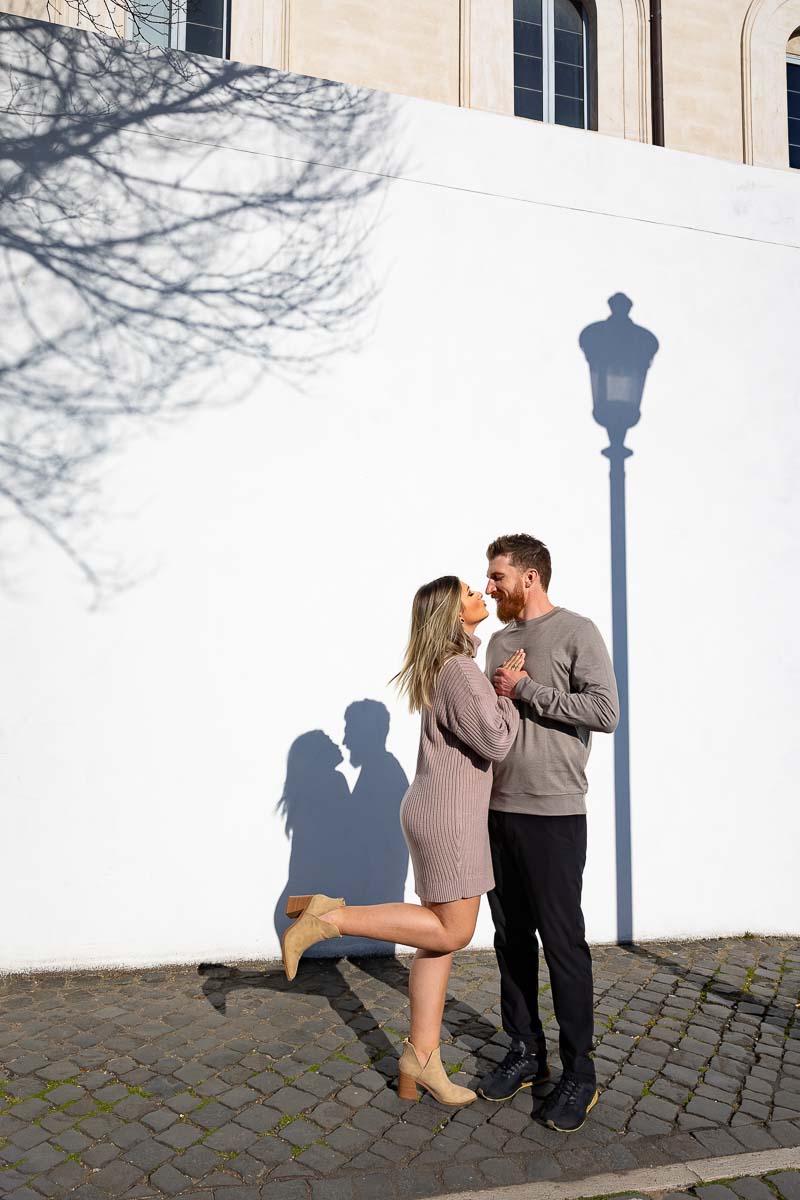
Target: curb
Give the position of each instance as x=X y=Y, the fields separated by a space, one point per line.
x=673 y=1177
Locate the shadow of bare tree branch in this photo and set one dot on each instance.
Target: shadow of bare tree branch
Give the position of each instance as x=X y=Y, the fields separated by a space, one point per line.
x=164 y=215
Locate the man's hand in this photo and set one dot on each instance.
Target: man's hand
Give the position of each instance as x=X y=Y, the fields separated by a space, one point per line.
x=505 y=681
x=508 y=676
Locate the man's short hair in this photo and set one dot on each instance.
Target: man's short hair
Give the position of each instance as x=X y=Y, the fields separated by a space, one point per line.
x=524 y=552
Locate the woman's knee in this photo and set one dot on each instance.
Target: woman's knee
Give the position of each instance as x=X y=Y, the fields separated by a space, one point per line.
x=458 y=937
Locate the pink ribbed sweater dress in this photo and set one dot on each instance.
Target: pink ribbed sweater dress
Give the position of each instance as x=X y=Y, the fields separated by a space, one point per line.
x=444 y=813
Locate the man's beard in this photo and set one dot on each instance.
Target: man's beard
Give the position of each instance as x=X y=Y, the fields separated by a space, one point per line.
x=511 y=605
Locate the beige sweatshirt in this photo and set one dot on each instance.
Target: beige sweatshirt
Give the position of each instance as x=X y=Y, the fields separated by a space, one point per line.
x=570 y=693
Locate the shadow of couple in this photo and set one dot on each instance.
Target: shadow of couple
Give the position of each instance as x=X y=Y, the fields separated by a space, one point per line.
x=344 y=843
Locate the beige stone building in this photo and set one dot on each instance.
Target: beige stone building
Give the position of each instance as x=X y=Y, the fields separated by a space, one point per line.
x=720 y=77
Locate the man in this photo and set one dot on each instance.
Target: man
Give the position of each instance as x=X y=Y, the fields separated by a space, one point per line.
x=537 y=825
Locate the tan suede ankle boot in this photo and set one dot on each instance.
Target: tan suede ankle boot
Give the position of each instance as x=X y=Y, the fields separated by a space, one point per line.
x=307 y=929
x=431 y=1076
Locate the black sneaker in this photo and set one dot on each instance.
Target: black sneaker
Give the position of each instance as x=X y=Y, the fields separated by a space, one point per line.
x=569 y=1104
x=520 y=1068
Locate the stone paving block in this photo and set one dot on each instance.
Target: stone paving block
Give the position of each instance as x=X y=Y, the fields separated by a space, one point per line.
x=718 y=1142
x=29 y=1136
x=159 y=1119
x=65 y=1177
x=148 y=1154
x=690 y=1121
x=320 y=1086
x=41 y=1159
x=787 y=1183
x=754 y=1137
x=30 y=1110
x=237 y=1097
x=390 y=1151
x=259 y=1118
x=502 y=1172
x=354 y=1097
x=715 y=1111
x=100 y=1155
x=786 y=1133
x=680 y=1074
x=667 y=1090
x=657 y=1106
x=327 y=1115
x=272 y=1150
x=116 y=1178
x=348 y=1140
x=338 y=1068
x=230 y=1137
x=250 y=1169
x=211 y=1115
x=647 y=1125
x=181 y=1135
x=712 y=1093
x=26 y=1064
x=128 y=1134
x=133 y=1108
x=169 y=1180
x=751 y=1189
x=290 y=1100
x=288 y=1189
x=196 y=1161
x=759 y=1112
x=299 y=1132
x=183 y=1103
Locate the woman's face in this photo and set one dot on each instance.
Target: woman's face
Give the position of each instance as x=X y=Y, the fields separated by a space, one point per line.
x=473 y=609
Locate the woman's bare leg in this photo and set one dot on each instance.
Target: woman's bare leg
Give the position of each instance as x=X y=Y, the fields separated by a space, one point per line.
x=430 y=974
x=436 y=930
x=427 y=992
x=438 y=927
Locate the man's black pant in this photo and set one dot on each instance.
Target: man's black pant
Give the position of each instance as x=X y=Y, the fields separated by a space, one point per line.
x=538 y=869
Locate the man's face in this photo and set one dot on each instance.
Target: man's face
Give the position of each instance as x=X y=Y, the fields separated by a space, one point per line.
x=505 y=587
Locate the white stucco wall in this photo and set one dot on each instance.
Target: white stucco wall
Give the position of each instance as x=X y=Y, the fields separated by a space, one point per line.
x=143 y=747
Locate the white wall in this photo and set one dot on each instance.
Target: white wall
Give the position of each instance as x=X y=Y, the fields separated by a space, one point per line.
x=143 y=746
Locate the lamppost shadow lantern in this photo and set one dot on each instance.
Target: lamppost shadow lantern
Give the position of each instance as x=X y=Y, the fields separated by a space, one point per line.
x=619 y=354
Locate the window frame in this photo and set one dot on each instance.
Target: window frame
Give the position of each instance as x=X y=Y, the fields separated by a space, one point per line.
x=176 y=39
x=794 y=60
x=549 y=65
x=549 y=62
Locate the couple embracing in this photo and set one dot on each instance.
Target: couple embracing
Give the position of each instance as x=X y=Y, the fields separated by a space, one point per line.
x=497 y=806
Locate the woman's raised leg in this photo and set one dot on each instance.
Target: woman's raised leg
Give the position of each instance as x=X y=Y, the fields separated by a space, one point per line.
x=441 y=928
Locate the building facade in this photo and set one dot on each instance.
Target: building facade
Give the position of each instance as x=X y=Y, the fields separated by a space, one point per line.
x=728 y=70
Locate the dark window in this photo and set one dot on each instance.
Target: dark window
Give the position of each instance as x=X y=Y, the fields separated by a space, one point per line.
x=550 y=48
x=793 y=96
x=198 y=26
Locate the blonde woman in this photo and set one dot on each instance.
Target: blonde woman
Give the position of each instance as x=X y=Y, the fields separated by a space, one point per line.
x=465 y=728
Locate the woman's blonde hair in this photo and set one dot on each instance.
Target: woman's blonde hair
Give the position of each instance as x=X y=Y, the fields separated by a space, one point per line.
x=437 y=634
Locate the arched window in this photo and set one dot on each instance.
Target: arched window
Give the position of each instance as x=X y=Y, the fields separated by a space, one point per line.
x=199 y=26
x=793 y=97
x=550 y=62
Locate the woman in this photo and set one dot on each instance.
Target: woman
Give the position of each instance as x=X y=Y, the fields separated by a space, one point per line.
x=444 y=814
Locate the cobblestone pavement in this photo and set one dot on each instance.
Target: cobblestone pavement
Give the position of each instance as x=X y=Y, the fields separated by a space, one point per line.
x=776 y=1185
x=228 y=1083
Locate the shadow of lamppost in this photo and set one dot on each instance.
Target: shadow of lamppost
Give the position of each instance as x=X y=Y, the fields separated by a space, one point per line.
x=619 y=354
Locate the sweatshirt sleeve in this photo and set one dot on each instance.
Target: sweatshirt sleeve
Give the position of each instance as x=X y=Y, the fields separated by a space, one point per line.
x=469 y=707
x=592 y=701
